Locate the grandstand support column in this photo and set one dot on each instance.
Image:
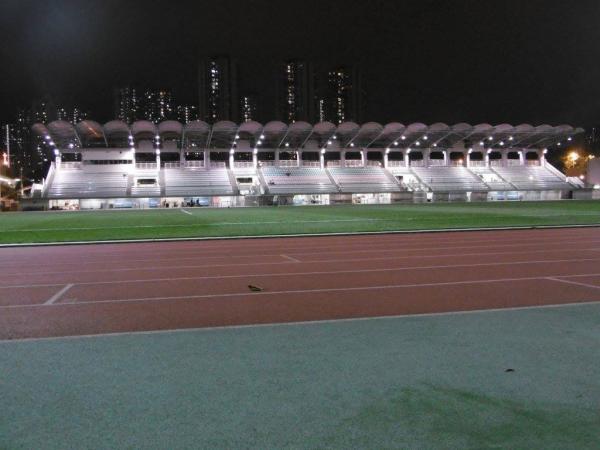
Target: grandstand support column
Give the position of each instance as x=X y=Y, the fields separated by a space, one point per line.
x=363 y=157
x=487 y=158
x=299 y=158
x=426 y=154
x=255 y=159
x=158 y=159
x=385 y=158
x=522 y=157
x=277 y=157
x=182 y=157
x=406 y=158
x=504 y=158
x=322 y=160
x=542 y=156
x=343 y=158
x=445 y=153
x=231 y=159
x=206 y=158
x=466 y=156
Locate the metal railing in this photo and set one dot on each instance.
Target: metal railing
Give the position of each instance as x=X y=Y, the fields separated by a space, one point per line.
x=353 y=163
x=476 y=163
x=513 y=162
x=437 y=162
x=311 y=164
x=194 y=164
x=288 y=163
x=417 y=163
x=374 y=163
x=533 y=162
x=243 y=164
x=145 y=165
x=336 y=163
x=70 y=165
x=396 y=164
x=266 y=163
x=218 y=164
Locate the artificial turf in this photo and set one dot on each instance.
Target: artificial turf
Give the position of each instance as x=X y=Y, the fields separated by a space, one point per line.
x=522 y=379
x=63 y=226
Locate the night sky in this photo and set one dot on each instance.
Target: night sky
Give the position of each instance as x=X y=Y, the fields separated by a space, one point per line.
x=450 y=61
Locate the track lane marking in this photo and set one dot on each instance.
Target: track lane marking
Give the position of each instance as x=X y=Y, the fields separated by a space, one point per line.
x=290 y=292
x=577 y=283
x=52 y=300
x=329 y=252
x=186 y=212
x=296 y=260
x=383 y=258
x=304 y=322
x=331 y=272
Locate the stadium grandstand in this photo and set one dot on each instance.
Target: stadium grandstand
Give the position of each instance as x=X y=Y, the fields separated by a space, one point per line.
x=170 y=164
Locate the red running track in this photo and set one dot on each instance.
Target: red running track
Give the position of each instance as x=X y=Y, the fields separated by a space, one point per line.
x=94 y=289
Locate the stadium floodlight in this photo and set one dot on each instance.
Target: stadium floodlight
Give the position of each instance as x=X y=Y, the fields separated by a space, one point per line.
x=481 y=143
x=501 y=143
x=396 y=143
x=403 y=137
x=417 y=143
x=71 y=145
x=569 y=139
x=408 y=150
x=351 y=144
x=56 y=152
x=52 y=143
x=470 y=151
x=510 y=138
x=262 y=136
x=231 y=152
x=490 y=138
x=237 y=136
x=287 y=144
x=424 y=138
x=558 y=144
x=255 y=151
x=489 y=150
x=329 y=142
x=334 y=137
x=158 y=151
x=387 y=151
x=47 y=137
x=435 y=144
x=582 y=177
x=322 y=151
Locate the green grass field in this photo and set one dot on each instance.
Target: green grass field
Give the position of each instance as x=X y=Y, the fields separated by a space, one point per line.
x=62 y=226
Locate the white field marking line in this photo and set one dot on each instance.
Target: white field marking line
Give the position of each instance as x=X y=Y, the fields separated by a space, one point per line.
x=383 y=258
x=290 y=258
x=304 y=322
x=292 y=292
x=186 y=212
x=372 y=248
x=299 y=235
x=291 y=274
x=574 y=282
x=58 y=295
x=203 y=224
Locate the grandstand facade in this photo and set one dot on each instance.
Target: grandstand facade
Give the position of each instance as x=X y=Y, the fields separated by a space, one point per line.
x=226 y=164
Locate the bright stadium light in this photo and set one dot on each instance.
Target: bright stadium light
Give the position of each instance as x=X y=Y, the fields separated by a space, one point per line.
x=403 y=137
x=157 y=151
x=573 y=157
x=287 y=144
x=231 y=152
x=424 y=138
x=417 y=143
x=395 y=143
x=329 y=142
x=351 y=144
x=481 y=143
x=262 y=136
x=490 y=138
x=501 y=143
x=322 y=151
x=510 y=138
x=434 y=144
x=56 y=152
x=569 y=139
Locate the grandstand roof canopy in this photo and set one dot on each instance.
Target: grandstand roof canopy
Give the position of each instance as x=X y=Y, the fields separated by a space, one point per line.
x=225 y=134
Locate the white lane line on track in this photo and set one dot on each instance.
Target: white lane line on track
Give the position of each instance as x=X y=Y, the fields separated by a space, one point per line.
x=256 y=263
x=291 y=292
x=290 y=274
x=186 y=212
x=305 y=322
x=295 y=251
x=290 y=258
x=577 y=283
x=52 y=300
